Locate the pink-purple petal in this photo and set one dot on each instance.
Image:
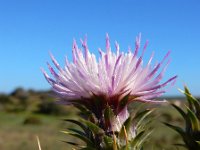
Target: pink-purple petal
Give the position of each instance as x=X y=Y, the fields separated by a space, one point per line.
x=113 y=74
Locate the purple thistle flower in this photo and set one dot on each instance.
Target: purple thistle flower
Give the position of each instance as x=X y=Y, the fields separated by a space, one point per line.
x=106 y=81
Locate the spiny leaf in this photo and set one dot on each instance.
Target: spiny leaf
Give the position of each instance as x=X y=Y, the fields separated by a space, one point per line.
x=108 y=142
x=186 y=138
x=77 y=123
x=194 y=104
x=144 y=126
x=187 y=94
x=140 y=142
x=125 y=128
x=194 y=120
x=77 y=131
x=177 y=129
x=82 y=109
x=185 y=117
x=197 y=107
x=141 y=116
x=137 y=138
x=109 y=116
x=137 y=108
x=183 y=114
x=83 y=138
x=93 y=127
x=72 y=143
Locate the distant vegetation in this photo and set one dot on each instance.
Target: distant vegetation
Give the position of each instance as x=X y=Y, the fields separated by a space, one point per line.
x=41 y=102
x=21 y=100
x=26 y=113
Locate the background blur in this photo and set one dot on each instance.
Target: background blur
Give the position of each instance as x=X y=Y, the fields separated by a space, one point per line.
x=29 y=30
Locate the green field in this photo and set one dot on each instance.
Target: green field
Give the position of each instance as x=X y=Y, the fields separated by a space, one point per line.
x=22 y=118
x=15 y=135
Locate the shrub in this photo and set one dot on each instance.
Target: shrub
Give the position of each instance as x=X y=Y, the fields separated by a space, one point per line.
x=49 y=107
x=32 y=120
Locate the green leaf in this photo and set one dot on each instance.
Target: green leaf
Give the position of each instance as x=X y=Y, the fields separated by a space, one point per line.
x=137 y=138
x=194 y=120
x=93 y=127
x=108 y=142
x=72 y=143
x=140 y=142
x=197 y=107
x=109 y=117
x=183 y=114
x=125 y=129
x=81 y=137
x=185 y=137
x=177 y=129
x=185 y=117
x=77 y=131
x=141 y=116
x=81 y=125
x=194 y=104
x=82 y=109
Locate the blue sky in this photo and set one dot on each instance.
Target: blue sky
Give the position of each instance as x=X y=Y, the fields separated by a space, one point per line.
x=30 y=29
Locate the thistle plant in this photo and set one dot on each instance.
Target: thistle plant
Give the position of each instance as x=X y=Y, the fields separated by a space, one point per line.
x=131 y=136
x=191 y=133
x=102 y=89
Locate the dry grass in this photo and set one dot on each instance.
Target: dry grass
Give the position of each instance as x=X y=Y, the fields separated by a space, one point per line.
x=14 y=135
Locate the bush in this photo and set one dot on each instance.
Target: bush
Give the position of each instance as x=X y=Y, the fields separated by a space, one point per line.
x=50 y=108
x=4 y=99
x=32 y=120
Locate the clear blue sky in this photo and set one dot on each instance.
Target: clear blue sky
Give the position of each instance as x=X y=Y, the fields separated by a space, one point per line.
x=30 y=29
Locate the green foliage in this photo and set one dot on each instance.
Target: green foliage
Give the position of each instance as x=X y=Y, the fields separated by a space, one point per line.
x=191 y=133
x=49 y=107
x=21 y=100
x=4 y=99
x=12 y=123
x=33 y=120
x=131 y=136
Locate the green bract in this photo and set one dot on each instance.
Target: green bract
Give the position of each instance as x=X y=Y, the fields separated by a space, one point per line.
x=131 y=136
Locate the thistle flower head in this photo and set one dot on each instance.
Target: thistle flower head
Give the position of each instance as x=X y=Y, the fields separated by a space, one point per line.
x=114 y=79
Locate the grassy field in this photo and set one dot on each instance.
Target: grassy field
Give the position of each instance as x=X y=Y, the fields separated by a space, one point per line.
x=15 y=134
x=27 y=114
x=164 y=138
